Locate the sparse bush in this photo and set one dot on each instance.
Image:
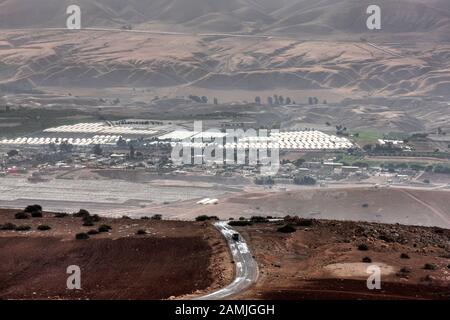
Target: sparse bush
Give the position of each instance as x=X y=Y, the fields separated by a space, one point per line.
x=202 y=218
x=240 y=223
x=21 y=215
x=157 y=217
x=430 y=266
x=61 y=215
x=141 y=232
x=367 y=260
x=88 y=221
x=288 y=228
x=126 y=218
x=33 y=208
x=259 y=219
x=23 y=228
x=300 y=222
x=43 y=227
x=145 y=218
x=8 y=227
x=92 y=232
x=363 y=247
x=82 y=236
x=404 y=256
x=365 y=205
x=104 y=228
x=96 y=218
x=36 y=214
x=242 y=218
x=82 y=213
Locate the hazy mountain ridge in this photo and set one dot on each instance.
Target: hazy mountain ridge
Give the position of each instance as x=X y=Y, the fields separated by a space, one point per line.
x=303 y=17
x=107 y=59
x=398 y=64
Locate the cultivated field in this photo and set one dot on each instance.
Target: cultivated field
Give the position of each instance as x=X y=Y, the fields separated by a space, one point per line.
x=172 y=259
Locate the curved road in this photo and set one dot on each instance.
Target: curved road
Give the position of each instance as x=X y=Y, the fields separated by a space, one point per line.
x=246 y=266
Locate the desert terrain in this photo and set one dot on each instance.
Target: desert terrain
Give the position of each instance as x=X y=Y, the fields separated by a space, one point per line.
x=172 y=259
x=322 y=260
x=407 y=206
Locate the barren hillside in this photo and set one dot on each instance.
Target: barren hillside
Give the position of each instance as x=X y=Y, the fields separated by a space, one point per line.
x=307 y=17
x=409 y=56
x=105 y=59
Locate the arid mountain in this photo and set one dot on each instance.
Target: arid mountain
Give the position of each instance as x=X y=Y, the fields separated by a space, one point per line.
x=293 y=17
x=309 y=45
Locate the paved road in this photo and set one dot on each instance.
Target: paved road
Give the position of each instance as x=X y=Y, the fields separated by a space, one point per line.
x=246 y=266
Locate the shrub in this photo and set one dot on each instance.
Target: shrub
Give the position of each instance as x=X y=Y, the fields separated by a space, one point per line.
x=429 y=266
x=288 y=228
x=365 y=205
x=141 y=232
x=36 y=214
x=8 y=226
x=363 y=247
x=202 y=218
x=367 y=260
x=92 y=232
x=81 y=236
x=258 y=219
x=404 y=256
x=61 y=215
x=21 y=215
x=145 y=218
x=157 y=217
x=23 y=228
x=104 y=228
x=88 y=221
x=33 y=208
x=43 y=227
x=126 y=217
x=82 y=213
x=96 y=218
x=240 y=223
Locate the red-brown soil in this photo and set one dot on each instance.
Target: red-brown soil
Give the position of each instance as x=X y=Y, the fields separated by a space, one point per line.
x=322 y=261
x=173 y=259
